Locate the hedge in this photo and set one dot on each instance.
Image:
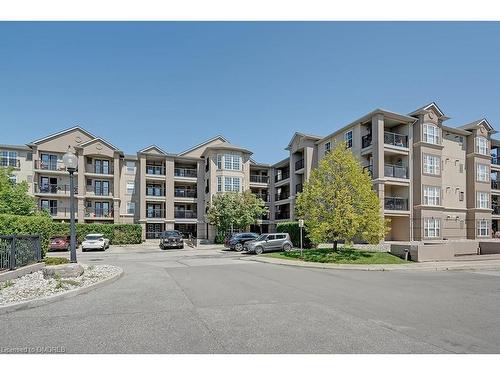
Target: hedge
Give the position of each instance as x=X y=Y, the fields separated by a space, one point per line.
x=118 y=234
x=40 y=225
x=293 y=229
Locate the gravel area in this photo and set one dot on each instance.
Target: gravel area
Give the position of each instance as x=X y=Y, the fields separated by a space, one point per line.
x=34 y=286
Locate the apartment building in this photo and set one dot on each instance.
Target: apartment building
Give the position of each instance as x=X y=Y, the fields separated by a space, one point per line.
x=435 y=181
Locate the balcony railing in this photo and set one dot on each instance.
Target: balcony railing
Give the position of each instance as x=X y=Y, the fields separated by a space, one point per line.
x=53 y=189
x=264 y=197
x=101 y=169
x=366 y=140
x=282 y=215
x=395 y=171
x=50 y=166
x=185 y=214
x=281 y=196
x=298 y=188
x=282 y=176
x=496 y=209
x=495 y=160
x=299 y=164
x=158 y=170
x=495 y=185
x=396 y=204
x=155 y=213
x=10 y=162
x=60 y=212
x=185 y=193
x=259 y=179
x=185 y=172
x=101 y=192
x=395 y=139
x=100 y=213
x=155 y=192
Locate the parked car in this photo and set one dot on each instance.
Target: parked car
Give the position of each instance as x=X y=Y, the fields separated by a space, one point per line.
x=237 y=241
x=95 y=241
x=269 y=242
x=59 y=243
x=171 y=238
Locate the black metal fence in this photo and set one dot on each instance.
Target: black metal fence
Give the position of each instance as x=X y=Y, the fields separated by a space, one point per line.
x=19 y=251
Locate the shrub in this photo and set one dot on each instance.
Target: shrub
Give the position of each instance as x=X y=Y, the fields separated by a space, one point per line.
x=52 y=261
x=40 y=225
x=118 y=234
x=293 y=229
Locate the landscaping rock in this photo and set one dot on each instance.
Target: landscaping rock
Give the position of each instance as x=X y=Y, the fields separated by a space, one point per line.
x=62 y=270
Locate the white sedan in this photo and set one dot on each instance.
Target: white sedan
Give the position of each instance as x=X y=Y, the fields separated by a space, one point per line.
x=95 y=242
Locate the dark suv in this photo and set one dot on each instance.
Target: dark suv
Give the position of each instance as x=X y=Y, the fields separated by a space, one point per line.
x=171 y=238
x=237 y=241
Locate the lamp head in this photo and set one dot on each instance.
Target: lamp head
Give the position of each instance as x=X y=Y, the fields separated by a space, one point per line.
x=70 y=161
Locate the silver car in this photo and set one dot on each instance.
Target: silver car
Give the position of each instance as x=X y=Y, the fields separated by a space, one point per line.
x=269 y=242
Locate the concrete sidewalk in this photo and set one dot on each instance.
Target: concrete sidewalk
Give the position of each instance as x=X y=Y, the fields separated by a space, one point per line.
x=424 y=266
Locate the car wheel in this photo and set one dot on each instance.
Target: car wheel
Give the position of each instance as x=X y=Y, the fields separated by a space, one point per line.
x=258 y=250
x=238 y=247
x=182 y=247
x=84 y=250
x=287 y=247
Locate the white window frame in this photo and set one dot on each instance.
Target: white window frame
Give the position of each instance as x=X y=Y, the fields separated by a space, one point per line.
x=432 y=195
x=483 y=200
x=432 y=227
x=481 y=145
x=130 y=183
x=431 y=137
x=232 y=184
x=219 y=184
x=230 y=162
x=219 y=161
x=348 y=138
x=482 y=228
x=130 y=208
x=328 y=147
x=434 y=167
x=8 y=158
x=482 y=176
x=130 y=170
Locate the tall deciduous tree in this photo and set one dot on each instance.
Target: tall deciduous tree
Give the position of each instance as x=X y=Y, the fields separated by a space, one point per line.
x=234 y=211
x=14 y=197
x=339 y=203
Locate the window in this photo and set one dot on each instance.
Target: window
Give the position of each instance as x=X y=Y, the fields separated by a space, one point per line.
x=232 y=184
x=461 y=196
x=219 y=161
x=432 y=164
x=130 y=187
x=232 y=162
x=432 y=195
x=219 y=183
x=461 y=168
x=328 y=147
x=431 y=134
x=482 y=200
x=482 y=145
x=483 y=228
x=482 y=173
x=8 y=159
x=432 y=228
x=348 y=139
x=130 y=167
x=130 y=208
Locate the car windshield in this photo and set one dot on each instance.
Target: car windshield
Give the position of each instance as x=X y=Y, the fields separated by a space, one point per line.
x=262 y=237
x=92 y=237
x=171 y=233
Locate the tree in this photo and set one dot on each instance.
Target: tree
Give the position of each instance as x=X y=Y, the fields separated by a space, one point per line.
x=339 y=203
x=14 y=197
x=229 y=211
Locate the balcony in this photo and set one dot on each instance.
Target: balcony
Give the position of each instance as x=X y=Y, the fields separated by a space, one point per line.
x=50 y=165
x=264 y=197
x=495 y=160
x=185 y=193
x=281 y=196
x=10 y=163
x=496 y=209
x=185 y=172
x=396 y=204
x=282 y=176
x=185 y=214
x=298 y=188
x=100 y=191
x=299 y=164
x=155 y=213
x=366 y=141
x=495 y=185
x=53 y=189
x=155 y=191
x=58 y=212
x=395 y=139
x=100 y=169
x=157 y=170
x=282 y=215
x=395 y=171
x=99 y=213
x=259 y=179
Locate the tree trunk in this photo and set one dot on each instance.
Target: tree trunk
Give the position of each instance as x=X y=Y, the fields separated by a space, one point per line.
x=335 y=245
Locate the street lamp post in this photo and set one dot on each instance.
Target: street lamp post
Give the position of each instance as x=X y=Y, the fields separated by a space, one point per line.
x=71 y=163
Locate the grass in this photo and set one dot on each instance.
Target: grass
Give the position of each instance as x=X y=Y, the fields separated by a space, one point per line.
x=52 y=261
x=344 y=255
x=6 y=284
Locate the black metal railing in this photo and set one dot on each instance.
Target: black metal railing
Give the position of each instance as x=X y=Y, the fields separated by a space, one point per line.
x=282 y=176
x=298 y=188
x=185 y=193
x=101 y=169
x=264 y=197
x=101 y=192
x=59 y=212
x=50 y=165
x=158 y=170
x=18 y=251
x=185 y=172
x=185 y=214
x=281 y=196
x=155 y=213
x=496 y=209
x=495 y=184
x=366 y=140
x=495 y=160
x=282 y=215
x=259 y=179
x=53 y=189
x=299 y=164
x=391 y=170
x=396 y=204
x=101 y=213
x=395 y=139
x=155 y=191
x=10 y=162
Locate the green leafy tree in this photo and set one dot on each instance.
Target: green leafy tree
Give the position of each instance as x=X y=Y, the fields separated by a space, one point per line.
x=229 y=211
x=339 y=203
x=14 y=197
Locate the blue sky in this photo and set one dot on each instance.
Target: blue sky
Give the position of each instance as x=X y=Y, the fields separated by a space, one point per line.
x=178 y=83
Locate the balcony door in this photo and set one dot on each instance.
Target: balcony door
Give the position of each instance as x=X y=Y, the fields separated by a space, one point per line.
x=49 y=206
x=49 y=162
x=48 y=185
x=102 y=209
x=101 y=188
x=101 y=166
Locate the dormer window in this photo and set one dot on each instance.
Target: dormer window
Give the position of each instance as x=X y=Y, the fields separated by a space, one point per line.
x=481 y=145
x=431 y=134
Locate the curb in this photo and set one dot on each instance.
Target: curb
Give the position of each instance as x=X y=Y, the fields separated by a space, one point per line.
x=57 y=297
x=379 y=267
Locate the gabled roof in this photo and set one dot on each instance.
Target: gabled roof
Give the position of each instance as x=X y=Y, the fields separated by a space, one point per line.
x=307 y=136
x=15 y=147
x=203 y=144
x=426 y=108
x=154 y=147
x=98 y=140
x=228 y=146
x=77 y=127
x=477 y=123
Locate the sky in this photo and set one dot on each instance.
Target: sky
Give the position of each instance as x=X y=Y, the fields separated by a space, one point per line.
x=176 y=84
